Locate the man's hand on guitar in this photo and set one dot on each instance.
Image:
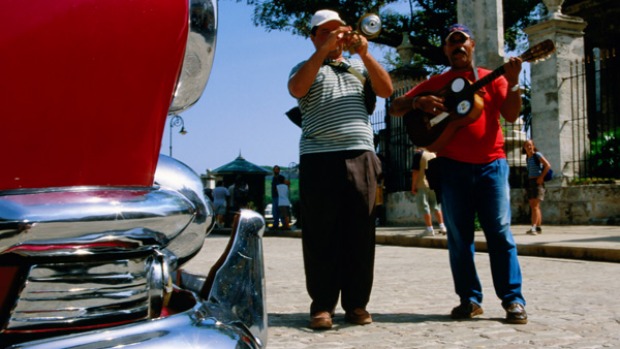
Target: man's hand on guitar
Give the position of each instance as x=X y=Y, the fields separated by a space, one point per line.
x=512 y=69
x=511 y=108
x=429 y=104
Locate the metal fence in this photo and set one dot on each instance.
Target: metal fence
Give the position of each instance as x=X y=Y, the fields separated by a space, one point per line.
x=596 y=148
x=393 y=148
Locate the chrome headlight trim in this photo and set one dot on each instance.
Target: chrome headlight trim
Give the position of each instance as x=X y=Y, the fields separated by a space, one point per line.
x=199 y=54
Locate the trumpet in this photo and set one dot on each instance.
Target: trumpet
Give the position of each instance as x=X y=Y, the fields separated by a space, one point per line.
x=369 y=26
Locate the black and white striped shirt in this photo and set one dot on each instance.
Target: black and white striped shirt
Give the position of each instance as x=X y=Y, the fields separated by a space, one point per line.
x=334 y=114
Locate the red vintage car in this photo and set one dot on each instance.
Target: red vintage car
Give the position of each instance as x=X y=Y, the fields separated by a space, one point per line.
x=95 y=224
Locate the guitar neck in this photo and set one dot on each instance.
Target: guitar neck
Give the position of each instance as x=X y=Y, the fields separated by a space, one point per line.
x=536 y=52
x=488 y=78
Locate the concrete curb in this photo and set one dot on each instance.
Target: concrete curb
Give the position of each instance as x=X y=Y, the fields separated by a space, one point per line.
x=535 y=250
x=395 y=237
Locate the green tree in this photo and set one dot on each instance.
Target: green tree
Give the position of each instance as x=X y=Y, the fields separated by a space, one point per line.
x=423 y=20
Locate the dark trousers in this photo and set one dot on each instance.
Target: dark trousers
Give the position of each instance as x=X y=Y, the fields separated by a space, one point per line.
x=337 y=193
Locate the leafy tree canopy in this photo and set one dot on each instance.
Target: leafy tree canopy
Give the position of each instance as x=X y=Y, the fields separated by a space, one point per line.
x=423 y=20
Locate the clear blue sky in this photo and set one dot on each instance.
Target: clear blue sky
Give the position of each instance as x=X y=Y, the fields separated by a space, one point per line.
x=242 y=107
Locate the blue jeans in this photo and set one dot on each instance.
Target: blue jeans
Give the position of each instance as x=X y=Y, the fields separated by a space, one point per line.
x=468 y=190
x=275 y=212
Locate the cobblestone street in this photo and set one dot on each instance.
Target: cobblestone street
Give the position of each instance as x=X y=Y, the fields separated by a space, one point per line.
x=571 y=303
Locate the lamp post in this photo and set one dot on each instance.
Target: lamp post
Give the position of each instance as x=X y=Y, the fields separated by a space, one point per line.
x=176 y=121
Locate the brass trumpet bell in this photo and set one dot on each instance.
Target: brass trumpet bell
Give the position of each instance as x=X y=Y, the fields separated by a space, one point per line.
x=369 y=25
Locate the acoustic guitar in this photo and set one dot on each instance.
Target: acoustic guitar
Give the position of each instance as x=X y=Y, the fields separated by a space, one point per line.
x=463 y=103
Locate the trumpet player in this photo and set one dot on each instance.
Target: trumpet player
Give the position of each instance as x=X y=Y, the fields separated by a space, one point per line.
x=338 y=169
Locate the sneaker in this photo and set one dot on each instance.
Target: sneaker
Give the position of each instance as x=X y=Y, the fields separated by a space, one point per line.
x=466 y=311
x=531 y=232
x=443 y=230
x=358 y=316
x=539 y=230
x=428 y=232
x=321 y=320
x=515 y=314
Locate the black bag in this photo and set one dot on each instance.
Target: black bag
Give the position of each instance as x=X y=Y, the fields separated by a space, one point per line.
x=370 y=97
x=294 y=114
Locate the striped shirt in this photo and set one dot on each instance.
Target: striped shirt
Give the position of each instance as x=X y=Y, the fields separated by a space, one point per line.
x=334 y=116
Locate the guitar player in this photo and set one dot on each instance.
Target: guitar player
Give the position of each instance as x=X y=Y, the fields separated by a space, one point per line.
x=473 y=174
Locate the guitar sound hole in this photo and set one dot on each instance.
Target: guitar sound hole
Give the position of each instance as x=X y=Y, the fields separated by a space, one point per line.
x=463 y=108
x=458 y=85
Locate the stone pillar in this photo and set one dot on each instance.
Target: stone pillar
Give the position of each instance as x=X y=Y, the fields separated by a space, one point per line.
x=486 y=19
x=553 y=127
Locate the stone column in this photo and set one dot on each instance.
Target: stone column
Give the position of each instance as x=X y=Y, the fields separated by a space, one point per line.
x=553 y=127
x=486 y=19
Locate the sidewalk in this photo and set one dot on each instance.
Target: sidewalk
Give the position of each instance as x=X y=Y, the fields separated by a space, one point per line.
x=585 y=242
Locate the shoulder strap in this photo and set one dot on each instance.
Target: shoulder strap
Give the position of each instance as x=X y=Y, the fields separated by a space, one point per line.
x=537 y=158
x=346 y=66
x=475 y=69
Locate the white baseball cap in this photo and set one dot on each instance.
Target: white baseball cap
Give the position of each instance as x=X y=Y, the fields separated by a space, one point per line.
x=323 y=16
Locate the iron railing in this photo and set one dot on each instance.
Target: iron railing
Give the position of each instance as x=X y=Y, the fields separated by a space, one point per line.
x=596 y=117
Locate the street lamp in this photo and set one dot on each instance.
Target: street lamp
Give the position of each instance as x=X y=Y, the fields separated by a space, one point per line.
x=176 y=121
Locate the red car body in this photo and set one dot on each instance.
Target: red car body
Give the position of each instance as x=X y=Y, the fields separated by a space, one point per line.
x=95 y=224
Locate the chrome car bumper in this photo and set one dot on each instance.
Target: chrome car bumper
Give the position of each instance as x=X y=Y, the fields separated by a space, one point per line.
x=100 y=261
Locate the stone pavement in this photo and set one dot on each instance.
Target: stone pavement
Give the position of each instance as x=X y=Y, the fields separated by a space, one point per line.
x=572 y=303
